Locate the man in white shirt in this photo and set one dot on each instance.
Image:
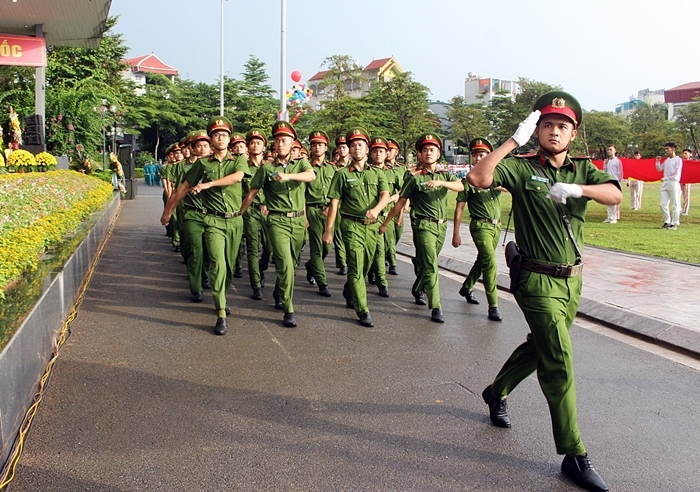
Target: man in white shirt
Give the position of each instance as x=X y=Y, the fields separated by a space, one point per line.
x=613 y=167
x=671 y=186
x=685 y=187
x=636 y=188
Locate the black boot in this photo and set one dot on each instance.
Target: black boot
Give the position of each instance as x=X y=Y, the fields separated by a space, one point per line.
x=436 y=316
x=468 y=295
x=581 y=471
x=494 y=315
x=498 y=409
x=220 y=328
x=323 y=290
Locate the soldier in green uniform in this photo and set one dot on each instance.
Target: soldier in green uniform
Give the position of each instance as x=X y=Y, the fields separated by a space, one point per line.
x=257 y=242
x=238 y=146
x=427 y=189
x=358 y=192
x=395 y=229
x=317 y=202
x=377 y=272
x=219 y=178
x=341 y=263
x=190 y=213
x=485 y=227
x=550 y=193
x=282 y=181
x=165 y=183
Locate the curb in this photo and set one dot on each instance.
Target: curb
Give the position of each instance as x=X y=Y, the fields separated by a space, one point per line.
x=674 y=337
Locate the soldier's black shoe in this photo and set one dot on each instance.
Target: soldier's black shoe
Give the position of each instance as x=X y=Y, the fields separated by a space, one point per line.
x=348 y=301
x=436 y=316
x=383 y=291
x=392 y=270
x=366 y=320
x=372 y=278
x=420 y=298
x=228 y=311
x=262 y=279
x=468 y=295
x=206 y=284
x=309 y=274
x=197 y=297
x=580 y=470
x=289 y=320
x=343 y=270
x=177 y=249
x=494 y=315
x=498 y=409
x=257 y=294
x=276 y=297
x=238 y=273
x=220 y=328
x=324 y=290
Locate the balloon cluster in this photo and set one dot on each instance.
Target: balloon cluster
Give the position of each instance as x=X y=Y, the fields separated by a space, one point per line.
x=298 y=94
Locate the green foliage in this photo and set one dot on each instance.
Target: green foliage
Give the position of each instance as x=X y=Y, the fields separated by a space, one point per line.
x=468 y=122
x=598 y=130
x=344 y=75
x=688 y=123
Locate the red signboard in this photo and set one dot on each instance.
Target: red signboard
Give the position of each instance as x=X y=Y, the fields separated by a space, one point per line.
x=26 y=51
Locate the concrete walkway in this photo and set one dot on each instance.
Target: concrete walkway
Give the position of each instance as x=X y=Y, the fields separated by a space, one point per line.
x=651 y=297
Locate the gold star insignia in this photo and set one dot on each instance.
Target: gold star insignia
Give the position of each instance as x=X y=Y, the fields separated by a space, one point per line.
x=558 y=102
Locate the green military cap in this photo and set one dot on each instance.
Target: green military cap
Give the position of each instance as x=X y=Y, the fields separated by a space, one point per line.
x=357 y=133
x=237 y=137
x=559 y=102
x=183 y=142
x=297 y=144
x=283 y=128
x=255 y=133
x=190 y=136
x=198 y=135
x=319 y=136
x=219 y=123
x=176 y=147
x=480 y=144
x=393 y=144
x=341 y=140
x=428 y=138
x=169 y=148
x=379 y=143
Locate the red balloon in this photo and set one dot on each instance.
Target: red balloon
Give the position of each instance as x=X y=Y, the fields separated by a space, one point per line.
x=296 y=75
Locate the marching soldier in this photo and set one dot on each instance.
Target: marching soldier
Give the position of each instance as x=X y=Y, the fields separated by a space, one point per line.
x=485 y=228
x=359 y=193
x=282 y=181
x=550 y=193
x=341 y=147
x=219 y=177
x=255 y=218
x=317 y=202
x=395 y=229
x=427 y=189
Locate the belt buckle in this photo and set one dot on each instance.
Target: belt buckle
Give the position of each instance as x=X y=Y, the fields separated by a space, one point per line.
x=577 y=270
x=367 y=221
x=494 y=221
x=229 y=215
x=441 y=221
x=289 y=215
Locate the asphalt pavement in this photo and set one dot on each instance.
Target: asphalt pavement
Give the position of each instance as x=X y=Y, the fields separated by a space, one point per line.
x=145 y=398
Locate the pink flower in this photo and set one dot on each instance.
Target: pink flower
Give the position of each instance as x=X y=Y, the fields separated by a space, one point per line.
x=71 y=128
x=60 y=117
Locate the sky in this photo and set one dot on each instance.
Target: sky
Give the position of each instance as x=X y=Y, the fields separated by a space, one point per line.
x=600 y=51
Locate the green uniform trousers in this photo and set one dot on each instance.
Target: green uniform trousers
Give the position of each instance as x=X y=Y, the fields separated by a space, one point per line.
x=485 y=237
x=391 y=237
x=338 y=243
x=286 y=237
x=239 y=258
x=549 y=305
x=360 y=246
x=223 y=240
x=175 y=221
x=378 y=267
x=195 y=251
x=428 y=238
x=257 y=245
x=317 y=249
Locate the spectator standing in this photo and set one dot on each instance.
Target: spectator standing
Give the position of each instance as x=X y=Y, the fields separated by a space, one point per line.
x=671 y=186
x=685 y=187
x=613 y=167
x=636 y=188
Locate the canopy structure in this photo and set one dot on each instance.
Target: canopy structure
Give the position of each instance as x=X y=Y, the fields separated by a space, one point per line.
x=74 y=23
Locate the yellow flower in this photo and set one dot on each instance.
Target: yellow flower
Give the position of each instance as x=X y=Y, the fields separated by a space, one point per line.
x=21 y=158
x=2 y=161
x=45 y=159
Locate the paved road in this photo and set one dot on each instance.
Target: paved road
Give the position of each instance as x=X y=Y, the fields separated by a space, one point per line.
x=145 y=398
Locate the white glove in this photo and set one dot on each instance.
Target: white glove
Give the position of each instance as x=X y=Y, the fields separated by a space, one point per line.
x=526 y=128
x=559 y=192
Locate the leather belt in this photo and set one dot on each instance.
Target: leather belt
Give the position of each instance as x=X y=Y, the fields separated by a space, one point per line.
x=364 y=220
x=317 y=205
x=289 y=215
x=225 y=215
x=552 y=270
x=257 y=205
x=431 y=219
x=488 y=221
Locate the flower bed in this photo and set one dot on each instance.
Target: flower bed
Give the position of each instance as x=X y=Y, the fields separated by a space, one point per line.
x=37 y=211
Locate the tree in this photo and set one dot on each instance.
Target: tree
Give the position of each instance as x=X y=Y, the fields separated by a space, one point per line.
x=651 y=128
x=344 y=75
x=688 y=123
x=468 y=121
x=597 y=130
x=254 y=98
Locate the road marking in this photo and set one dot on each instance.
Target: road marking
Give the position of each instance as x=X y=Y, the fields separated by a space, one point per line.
x=277 y=342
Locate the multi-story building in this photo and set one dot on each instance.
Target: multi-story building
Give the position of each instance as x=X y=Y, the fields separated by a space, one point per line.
x=142 y=65
x=681 y=96
x=645 y=96
x=383 y=69
x=478 y=90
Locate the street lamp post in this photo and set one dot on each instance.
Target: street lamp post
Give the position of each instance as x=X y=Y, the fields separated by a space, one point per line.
x=103 y=110
x=113 y=109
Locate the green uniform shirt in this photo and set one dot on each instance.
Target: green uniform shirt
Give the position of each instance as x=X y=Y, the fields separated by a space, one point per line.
x=427 y=202
x=166 y=171
x=482 y=204
x=394 y=180
x=358 y=191
x=219 y=198
x=180 y=171
x=317 y=190
x=539 y=229
x=260 y=196
x=281 y=196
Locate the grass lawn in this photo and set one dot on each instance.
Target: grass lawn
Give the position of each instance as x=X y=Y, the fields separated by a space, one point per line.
x=636 y=231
